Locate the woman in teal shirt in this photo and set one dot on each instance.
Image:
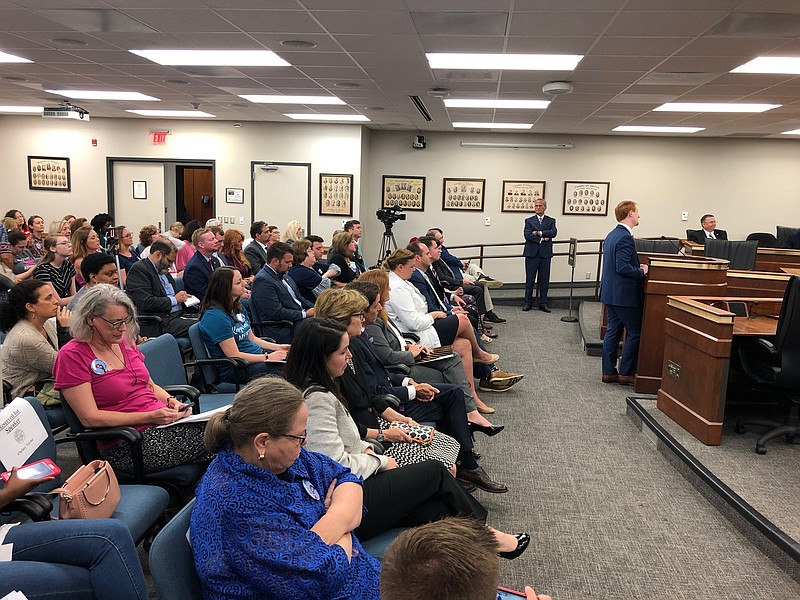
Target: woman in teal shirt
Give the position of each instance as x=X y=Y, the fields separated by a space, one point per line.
x=226 y=330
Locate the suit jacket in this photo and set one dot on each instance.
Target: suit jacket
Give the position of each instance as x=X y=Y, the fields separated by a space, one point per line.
x=698 y=236
x=257 y=256
x=446 y=275
x=429 y=293
x=144 y=287
x=197 y=274
x=379 y=379
x=453 y=262
x=536 y=245
x=621 y=284
x=271 y=301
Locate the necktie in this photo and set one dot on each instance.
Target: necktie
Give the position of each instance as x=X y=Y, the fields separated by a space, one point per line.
x=291 y=291
x=210 y=264
x=540 y=220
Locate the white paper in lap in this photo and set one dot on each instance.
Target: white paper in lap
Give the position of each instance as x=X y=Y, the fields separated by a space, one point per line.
x=21 y=433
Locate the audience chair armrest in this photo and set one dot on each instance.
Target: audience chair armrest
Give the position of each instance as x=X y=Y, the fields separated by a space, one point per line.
x=36 y=507
x=399 y=368
x=767 y=346
x=130 y=435
x=390 y=399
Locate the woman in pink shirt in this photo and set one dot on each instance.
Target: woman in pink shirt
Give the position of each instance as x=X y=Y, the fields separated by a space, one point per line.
x=103 y=377
x=185 y=253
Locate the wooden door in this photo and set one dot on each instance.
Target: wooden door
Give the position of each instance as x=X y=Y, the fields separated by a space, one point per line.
x=196 y=190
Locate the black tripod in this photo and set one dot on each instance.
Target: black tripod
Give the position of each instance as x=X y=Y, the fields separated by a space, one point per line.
x=388 y=243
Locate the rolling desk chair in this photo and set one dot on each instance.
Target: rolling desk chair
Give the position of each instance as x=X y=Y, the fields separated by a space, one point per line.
x=742 y=255
x=777 y=364
x=784 y=233
x=765 y=240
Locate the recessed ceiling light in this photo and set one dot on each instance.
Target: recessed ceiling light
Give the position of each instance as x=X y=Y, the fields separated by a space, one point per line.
x=21 y=109
x=175 y=81
x=347 y=85
x=493 y=125
x=655 y=129
x=224 y=58
x=103 y=95
x=720 y=107
x=465 y=103
x=792 y=132
x=787 y=65
x=172 y=113
x=69 y=42
x=10 y=58
x=510 y=62
x=322 y=117
x=298 y=44
x=278 y=99
x=374 y=108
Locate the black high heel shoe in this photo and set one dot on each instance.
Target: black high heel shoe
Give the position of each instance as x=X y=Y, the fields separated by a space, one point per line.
x=523 y=541
x=489 y=430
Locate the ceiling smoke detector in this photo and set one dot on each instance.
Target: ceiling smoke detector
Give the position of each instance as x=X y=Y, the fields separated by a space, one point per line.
x=557 y=88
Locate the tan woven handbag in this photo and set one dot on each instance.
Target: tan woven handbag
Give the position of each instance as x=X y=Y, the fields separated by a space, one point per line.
x=91 y=492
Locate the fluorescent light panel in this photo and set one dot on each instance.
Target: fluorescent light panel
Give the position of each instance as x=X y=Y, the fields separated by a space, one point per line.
x=654 y=129
x=493 y=125
x=322 y=117
x=103 y=95
x=172 y=113
x=786 y=65
x=21 y=109
x=276 y=99
x=10 y=58
x=507 y=62
x=714 y=107
x=526 y=104
x=792 y=132
x=217 y=58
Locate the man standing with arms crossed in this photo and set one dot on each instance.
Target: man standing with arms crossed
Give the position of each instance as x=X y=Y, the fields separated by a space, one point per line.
x=539 y=233
x=622 y=292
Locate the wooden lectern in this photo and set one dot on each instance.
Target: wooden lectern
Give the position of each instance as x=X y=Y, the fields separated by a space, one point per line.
x=670 y=275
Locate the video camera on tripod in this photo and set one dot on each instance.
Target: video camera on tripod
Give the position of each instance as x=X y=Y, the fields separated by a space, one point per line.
x=390 y=216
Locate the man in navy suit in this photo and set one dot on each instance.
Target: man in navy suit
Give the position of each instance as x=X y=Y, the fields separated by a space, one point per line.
x=622 y=292
x=275 y=297
x=539 y=233
x=203 y=262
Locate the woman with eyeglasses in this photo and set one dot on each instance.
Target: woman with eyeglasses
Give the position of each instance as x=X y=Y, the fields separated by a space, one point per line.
x=56 y=268
x=393 y=496
x=127 y=252
x=273 y=520
x=226 y=331
x=102 y=376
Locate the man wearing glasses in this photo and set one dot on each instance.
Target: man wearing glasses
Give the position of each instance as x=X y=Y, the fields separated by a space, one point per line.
x=152 y=289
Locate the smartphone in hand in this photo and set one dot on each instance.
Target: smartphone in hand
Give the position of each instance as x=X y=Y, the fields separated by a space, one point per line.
x=34 y=470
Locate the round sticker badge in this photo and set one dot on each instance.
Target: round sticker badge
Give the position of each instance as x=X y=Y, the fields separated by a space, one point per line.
x=310 y=489
x=99 y=367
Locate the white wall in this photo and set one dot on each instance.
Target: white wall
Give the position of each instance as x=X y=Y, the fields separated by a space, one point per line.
x=750 y=185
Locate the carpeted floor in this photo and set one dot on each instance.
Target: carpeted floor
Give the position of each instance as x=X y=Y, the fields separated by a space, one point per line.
x=610 y=516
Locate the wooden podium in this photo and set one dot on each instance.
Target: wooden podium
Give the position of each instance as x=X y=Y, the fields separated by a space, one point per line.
x=670 y=275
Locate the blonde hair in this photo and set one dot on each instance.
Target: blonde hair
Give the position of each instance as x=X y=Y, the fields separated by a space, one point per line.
x=340 y=304
x=92 y=303
x=292 y=231
x=339 y=244
x=399 y=257
x=380 y=278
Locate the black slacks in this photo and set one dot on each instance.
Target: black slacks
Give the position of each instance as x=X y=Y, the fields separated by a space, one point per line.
x=414 y=495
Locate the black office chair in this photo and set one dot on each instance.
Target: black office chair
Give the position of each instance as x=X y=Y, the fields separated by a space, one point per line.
x=784 y=233
x=778 y=364
x=742 y=255
x=765 y=240
x=658 y=246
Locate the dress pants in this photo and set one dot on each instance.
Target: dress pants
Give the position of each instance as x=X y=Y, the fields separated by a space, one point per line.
x=537 y=267
x=414 y=495
x=447 y=370
x=73 y=559
x=619 y=318
x=448 y=410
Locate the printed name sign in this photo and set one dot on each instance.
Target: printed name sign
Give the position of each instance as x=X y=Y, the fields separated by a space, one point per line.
x=21 y=433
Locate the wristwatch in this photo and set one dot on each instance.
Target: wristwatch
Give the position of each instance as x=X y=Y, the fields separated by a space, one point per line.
x=379 y=437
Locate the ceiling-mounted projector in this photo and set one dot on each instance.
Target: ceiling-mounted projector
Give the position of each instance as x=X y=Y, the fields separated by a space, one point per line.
x=66 y=111
x=557 y=88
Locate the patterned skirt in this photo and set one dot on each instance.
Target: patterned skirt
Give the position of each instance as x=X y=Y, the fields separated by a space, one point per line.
x=442 y=448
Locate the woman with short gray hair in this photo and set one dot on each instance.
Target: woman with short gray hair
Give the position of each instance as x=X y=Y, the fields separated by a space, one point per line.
x=103 y=378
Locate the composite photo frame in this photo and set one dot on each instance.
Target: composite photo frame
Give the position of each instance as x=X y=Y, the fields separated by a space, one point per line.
x=586 y=198
x=335 y=194
x=407 y=192
x=48 y=173
x=463 y=194
x=519 y=195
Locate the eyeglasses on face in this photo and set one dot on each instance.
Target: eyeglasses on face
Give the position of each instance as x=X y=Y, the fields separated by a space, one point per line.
x=360 y=315
x=301 y=439
x=118 y=323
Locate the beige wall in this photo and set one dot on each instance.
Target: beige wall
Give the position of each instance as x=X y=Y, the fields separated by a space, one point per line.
x=751 y=185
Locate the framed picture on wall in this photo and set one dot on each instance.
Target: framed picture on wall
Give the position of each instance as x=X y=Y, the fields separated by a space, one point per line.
x=586 y=198
x=519 y=196
x=463 y=194
x=48 y=173
x=234 y=195
x=335 y=195
x=406 y=192
x=140 y=190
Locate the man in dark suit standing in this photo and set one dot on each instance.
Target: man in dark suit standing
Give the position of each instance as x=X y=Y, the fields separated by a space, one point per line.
x=152 y=290
x=256 y=251
x=709 y=231
x=539 y=232
x=275 y=297
x=622 y=293
x=203 y=262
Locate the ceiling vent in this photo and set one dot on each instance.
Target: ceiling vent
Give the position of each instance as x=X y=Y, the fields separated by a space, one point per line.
x=420 y=106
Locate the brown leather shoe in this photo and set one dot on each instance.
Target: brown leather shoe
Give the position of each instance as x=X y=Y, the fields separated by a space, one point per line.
x=626 y=379
x=480 y=478
x=611 y=378
x=467 y=487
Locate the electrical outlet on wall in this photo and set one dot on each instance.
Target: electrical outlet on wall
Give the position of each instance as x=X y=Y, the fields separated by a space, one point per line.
x=487 y=221
x=588 y=275
x=241 y=220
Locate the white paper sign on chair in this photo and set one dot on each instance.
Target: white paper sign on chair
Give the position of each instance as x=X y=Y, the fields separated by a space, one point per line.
x=21 y=433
